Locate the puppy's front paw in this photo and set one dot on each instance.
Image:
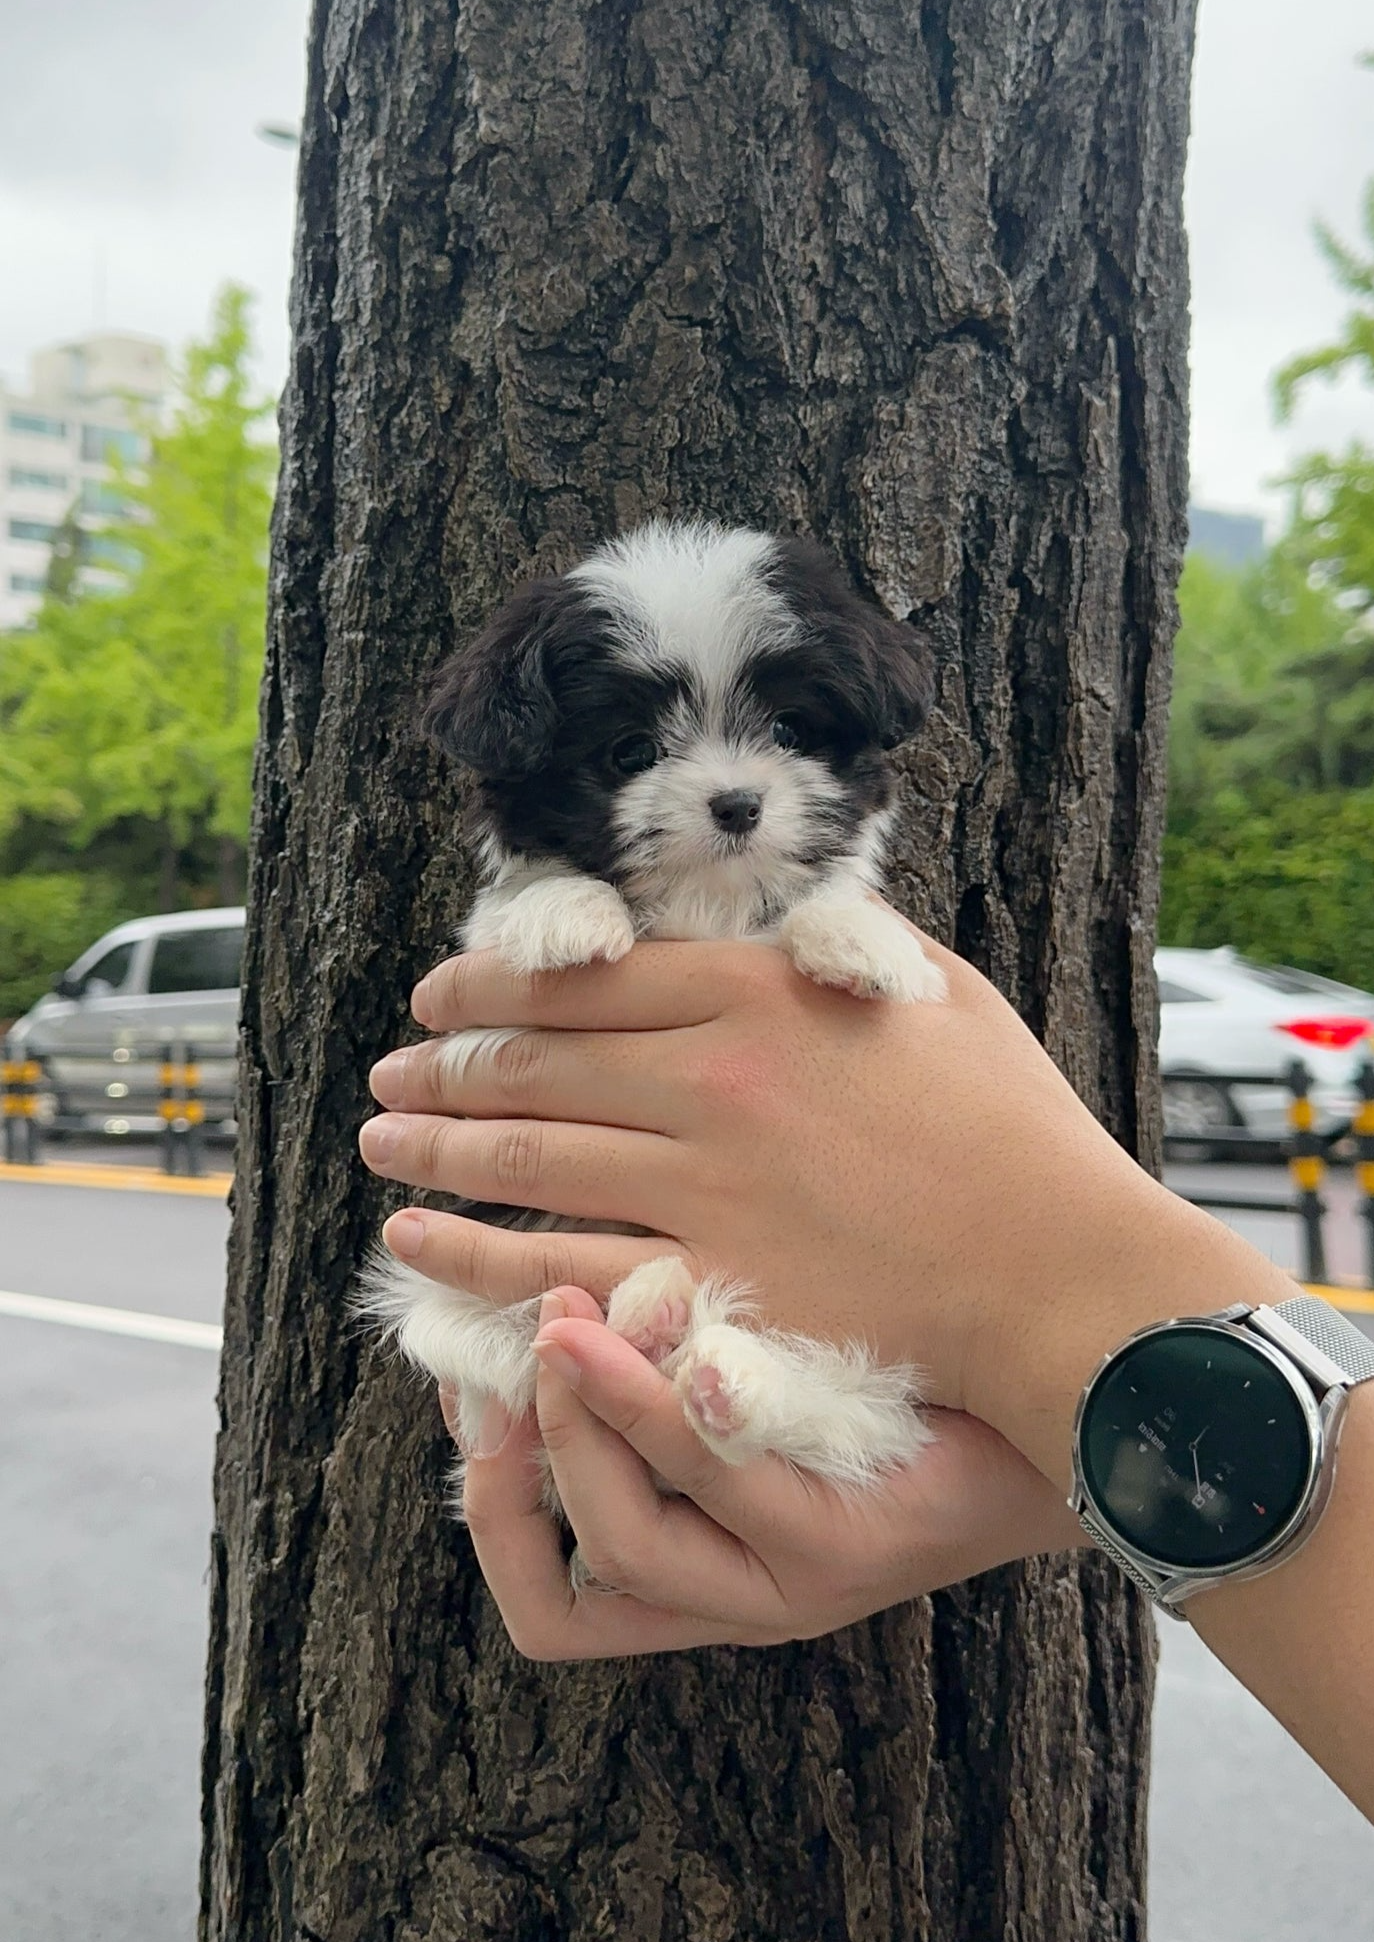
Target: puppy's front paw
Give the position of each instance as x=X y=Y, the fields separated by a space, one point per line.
x=860 y=947
x=563 y=923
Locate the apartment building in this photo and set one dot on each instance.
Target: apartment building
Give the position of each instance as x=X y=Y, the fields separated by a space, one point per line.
x=58 y=439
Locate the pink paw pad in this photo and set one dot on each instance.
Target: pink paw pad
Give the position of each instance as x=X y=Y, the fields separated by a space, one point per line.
x=707 y=1399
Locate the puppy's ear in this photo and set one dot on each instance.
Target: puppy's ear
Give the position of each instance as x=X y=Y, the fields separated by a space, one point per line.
x=885 y=669
x=904 y=678
x=491 y=706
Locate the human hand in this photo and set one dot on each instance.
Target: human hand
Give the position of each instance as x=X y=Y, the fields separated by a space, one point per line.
x=746 y=1556
x=919 y=1176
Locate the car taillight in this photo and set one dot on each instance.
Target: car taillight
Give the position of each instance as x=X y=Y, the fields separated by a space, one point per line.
x=1332 y=1034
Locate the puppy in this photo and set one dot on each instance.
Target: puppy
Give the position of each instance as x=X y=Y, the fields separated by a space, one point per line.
x=683 y=737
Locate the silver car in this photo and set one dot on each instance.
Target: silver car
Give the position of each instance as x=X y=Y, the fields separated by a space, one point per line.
x=100 y=1034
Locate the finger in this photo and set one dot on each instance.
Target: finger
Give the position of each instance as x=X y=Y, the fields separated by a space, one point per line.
x=657 y=987
x=600 y=1078
x=629 y=1396
x=521 y=1557
x=501 y=1264
x=633 y=1539
x=596 y=1173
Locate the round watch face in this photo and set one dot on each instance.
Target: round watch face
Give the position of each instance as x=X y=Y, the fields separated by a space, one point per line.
x=1196 y=1448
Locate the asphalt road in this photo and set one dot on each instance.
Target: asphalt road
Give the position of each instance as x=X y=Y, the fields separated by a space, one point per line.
x=105 y=1453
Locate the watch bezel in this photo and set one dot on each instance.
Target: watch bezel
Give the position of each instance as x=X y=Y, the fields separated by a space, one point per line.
x=1174 y=1581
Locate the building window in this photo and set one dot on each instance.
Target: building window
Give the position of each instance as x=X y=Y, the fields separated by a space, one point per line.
x=110 y=555
x=37 y=426
x=27 y=583
x=37 y=481
x=97 y=496
x=40 y=529
x=100 y=444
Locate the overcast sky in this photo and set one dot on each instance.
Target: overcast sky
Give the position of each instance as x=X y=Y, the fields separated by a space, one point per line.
x=132 y=185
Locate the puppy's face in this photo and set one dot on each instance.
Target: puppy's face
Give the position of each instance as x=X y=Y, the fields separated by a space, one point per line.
x=689 y=704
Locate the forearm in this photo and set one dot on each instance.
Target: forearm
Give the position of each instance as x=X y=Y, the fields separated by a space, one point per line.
x=1301 y=1638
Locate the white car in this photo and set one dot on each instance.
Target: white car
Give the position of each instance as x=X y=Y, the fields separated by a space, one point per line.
x=1220 y=1013
x=99 y=1032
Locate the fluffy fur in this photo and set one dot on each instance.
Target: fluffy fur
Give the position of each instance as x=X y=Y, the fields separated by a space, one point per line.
x=684 y=737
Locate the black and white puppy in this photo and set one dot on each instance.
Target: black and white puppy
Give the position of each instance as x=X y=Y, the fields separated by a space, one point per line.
x=684 y=737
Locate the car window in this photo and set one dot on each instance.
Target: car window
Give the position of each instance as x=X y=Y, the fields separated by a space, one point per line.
x=197 y=961
x=1297 y=984
x=1177 y=994
x=112 y=969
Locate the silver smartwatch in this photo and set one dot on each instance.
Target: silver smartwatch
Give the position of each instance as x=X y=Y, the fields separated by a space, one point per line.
x=1204 y=1449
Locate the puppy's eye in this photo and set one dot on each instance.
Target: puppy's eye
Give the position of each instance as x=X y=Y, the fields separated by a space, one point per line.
x=633 y=753
x=789 y=731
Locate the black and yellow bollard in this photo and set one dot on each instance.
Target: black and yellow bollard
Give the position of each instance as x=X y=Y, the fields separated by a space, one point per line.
x=20 y=1078
x=181 y=1111
x=1363 y=1129
x=1307 y=1170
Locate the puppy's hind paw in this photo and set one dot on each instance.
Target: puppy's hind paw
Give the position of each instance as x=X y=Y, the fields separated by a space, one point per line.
x=731 y=1390
x=652 y=1306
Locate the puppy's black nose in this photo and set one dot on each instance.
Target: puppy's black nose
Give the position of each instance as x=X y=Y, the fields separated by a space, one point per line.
x=737 y=810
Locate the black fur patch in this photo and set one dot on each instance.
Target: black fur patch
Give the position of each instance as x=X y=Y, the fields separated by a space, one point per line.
x=537 y=703
x=883 y=668
x=564 y=809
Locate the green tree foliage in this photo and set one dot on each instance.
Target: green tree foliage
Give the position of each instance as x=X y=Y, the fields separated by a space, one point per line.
x=1333 y=494
x=47 y=919
x=1287 y=881
x=1270 y=845
x=1273 y=686
x=135 y=702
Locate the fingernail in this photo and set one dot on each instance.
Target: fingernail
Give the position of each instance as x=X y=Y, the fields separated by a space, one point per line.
x=404 y=1234
x=387 y=1078
x=420 y=1000
x=493 y=1429
x=554 y=1356
x=378 y=1139
x=552 y=1308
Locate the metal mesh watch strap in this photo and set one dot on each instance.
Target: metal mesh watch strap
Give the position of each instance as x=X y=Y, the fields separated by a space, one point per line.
x=1102 y=1538
x=1328 y=1330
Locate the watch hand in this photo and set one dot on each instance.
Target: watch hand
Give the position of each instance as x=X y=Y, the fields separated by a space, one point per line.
x=1197 y=1474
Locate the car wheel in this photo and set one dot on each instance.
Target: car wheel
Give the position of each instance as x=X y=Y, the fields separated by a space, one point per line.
x=1195 y=1107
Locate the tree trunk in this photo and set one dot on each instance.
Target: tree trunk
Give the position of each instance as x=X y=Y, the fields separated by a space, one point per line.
x=169 y=863
x=228 y=870
x=911 y=278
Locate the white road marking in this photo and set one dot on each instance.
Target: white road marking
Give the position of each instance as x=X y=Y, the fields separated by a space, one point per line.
x=113 y=1321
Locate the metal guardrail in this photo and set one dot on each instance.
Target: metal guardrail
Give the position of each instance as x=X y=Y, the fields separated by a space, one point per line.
x=1305 y=1152
x=1363 y=1129
x=181 y=1110
x=18 y=1107
x=180 y=1106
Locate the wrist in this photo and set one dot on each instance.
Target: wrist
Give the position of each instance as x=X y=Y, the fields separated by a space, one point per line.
x=981 y=1505
x=1148 y=1258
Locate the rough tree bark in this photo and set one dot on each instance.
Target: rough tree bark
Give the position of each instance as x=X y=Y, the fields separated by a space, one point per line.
x=907 y=276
